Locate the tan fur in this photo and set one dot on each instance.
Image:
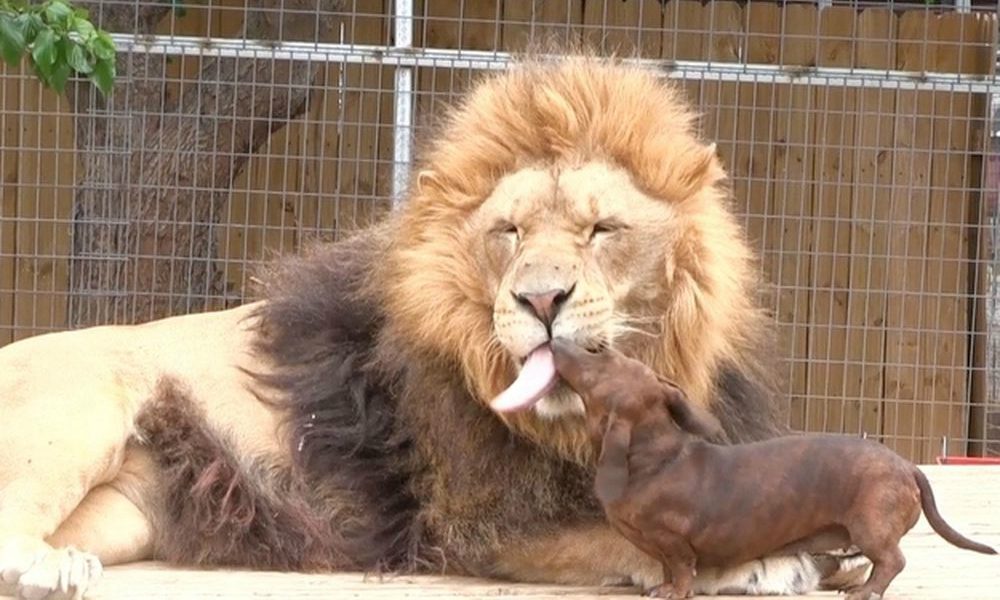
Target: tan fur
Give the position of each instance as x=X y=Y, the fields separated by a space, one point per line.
x=69 y=402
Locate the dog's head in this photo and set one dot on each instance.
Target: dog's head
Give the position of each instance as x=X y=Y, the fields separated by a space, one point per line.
x=608 y=381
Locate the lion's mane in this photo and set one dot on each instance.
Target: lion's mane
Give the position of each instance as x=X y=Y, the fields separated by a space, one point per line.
x=382 y=344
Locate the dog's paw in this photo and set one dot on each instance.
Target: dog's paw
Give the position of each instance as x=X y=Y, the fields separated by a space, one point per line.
x=862 y=594
x=61 y=573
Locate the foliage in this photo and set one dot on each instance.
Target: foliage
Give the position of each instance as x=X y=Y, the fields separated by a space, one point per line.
x=59 y=40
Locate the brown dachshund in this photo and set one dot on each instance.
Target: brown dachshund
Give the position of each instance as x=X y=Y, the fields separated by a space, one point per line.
x=691 y=503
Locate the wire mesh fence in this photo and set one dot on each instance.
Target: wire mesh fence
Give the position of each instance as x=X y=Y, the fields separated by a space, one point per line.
x=861 y=138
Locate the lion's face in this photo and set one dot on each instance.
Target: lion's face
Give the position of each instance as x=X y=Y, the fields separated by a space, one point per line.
x=569 y=199
x=575 y=252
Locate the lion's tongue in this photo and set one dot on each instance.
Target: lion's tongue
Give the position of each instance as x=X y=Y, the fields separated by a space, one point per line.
x=537 y=377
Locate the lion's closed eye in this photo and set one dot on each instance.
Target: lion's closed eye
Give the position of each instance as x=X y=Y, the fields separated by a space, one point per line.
x=506 y=228
x=605 y=228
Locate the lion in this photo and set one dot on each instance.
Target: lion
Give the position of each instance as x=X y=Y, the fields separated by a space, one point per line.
x=342 y=420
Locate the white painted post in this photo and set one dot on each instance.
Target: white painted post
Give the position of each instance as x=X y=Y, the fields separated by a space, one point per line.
x=403 y=102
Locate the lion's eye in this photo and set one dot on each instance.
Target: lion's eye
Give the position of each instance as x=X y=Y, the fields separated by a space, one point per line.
x=507 y=229
x=603 y=228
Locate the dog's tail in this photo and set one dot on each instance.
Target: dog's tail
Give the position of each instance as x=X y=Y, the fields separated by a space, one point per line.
x=938 y=524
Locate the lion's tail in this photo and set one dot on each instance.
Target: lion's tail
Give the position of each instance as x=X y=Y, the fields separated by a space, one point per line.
x=938 y=524
x=220 y=510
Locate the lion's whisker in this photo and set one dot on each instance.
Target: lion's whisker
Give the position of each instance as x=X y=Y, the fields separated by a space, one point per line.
x=624 y=323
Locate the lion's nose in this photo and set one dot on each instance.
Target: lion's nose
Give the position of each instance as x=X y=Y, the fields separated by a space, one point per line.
x=545 y=305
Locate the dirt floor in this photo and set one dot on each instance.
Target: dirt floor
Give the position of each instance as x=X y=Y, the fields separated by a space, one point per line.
x=969 y=498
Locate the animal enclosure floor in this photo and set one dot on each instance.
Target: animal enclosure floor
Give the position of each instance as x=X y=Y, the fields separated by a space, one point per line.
x=968 y=497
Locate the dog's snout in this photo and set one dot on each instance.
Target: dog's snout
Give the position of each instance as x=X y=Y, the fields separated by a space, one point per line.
x=545 y=305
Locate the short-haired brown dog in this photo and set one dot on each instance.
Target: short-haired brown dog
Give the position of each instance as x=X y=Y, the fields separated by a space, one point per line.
x=691 y=503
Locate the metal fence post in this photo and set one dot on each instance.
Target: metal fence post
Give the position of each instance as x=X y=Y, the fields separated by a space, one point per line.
x=403 y=102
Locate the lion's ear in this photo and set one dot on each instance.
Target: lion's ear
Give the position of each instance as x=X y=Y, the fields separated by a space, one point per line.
x=702 y=169
x=427 y=180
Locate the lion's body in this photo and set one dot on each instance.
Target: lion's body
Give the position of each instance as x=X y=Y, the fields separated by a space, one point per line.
x=342 y=421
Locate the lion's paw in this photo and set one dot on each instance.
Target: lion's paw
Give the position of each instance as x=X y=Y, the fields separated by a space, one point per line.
x=842 y=570
x=46 y=574
x=667 y=591
x=16 y=557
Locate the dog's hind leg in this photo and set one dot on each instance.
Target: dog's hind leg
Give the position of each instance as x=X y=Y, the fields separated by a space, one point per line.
x=878 y=539
x=886 y=565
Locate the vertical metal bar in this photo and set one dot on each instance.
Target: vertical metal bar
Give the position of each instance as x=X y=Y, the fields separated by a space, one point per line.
x=403 y=101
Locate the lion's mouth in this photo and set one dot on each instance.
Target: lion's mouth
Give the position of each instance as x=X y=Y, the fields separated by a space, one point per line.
x=538 y=377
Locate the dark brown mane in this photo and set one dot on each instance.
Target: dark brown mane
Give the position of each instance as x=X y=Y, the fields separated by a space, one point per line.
x=319 y=331
x=219 y=510
x=749 y=405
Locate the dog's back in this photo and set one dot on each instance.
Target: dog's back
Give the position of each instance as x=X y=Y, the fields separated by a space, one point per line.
x=740 y=502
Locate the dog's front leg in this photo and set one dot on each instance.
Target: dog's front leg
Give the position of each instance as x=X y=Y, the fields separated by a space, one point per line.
x=678 y=560
x=595 y=554
x=612 y=465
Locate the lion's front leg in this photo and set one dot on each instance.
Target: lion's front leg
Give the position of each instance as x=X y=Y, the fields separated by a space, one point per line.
x=65 y=417
x=590 y=554
x=594 y=554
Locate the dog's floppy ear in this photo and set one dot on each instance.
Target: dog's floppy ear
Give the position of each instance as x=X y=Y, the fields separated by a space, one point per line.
x=689 y=416
x=612 y=466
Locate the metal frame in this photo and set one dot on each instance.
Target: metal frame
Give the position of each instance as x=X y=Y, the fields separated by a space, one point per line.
x=406 y=56
x=402 y=102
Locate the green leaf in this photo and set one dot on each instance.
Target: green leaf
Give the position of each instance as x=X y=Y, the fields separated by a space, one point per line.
x=43 y=75
x=61 y=41
x=22 y=23
x=44 y=72
x=57 y=11
x=60 y=74
x=83 y=28
x=30 y=24
x=77 y=59
x=103 y=46
x=104 y=75
x=11 y=41
x=44 y=50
